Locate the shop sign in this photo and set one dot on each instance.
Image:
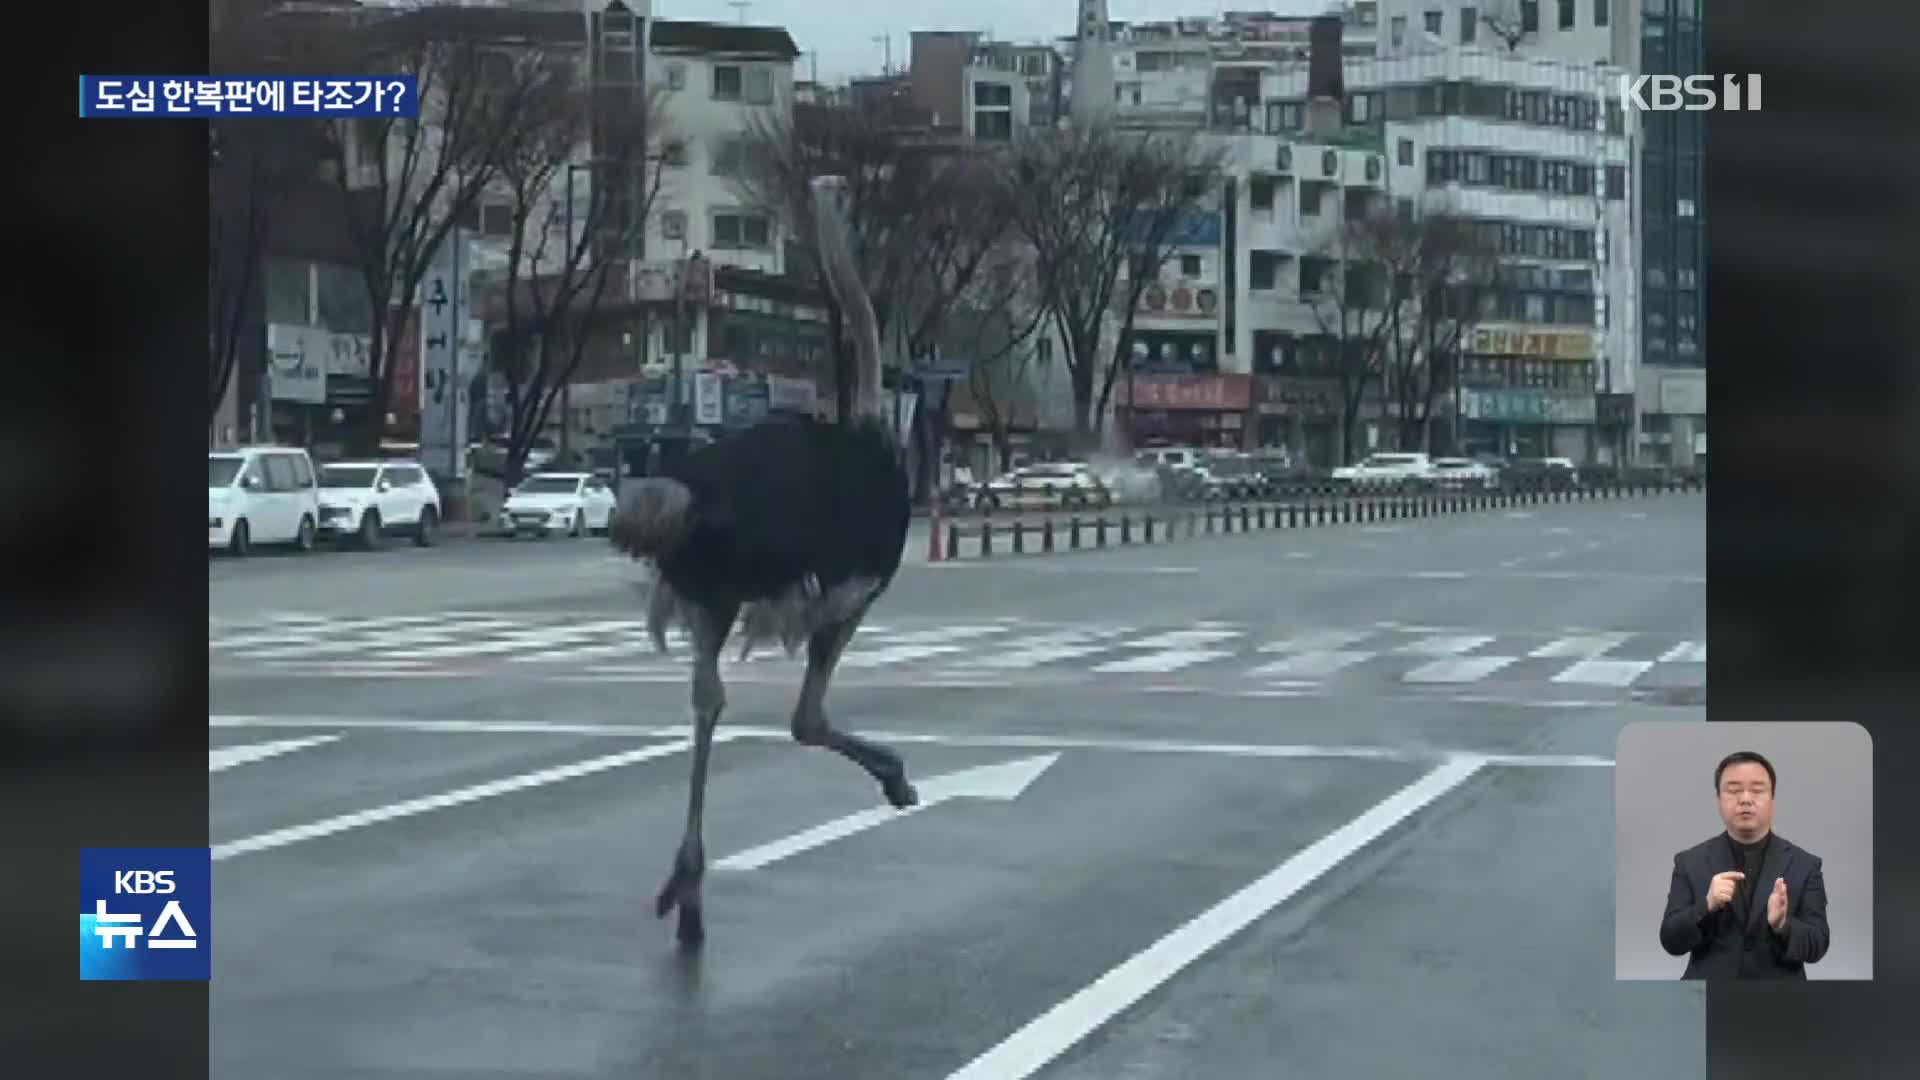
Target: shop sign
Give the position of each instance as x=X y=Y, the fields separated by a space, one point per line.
x=1207 y=393
x=1281 y=396
x=1513 y=340
x=1527 y=406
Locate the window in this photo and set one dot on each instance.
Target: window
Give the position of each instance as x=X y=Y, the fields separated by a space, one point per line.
x=1600 y=12
x=1616 y=182
x=288 y=290
x=1190 y=266
x=496 y=219
x=1567 y=14
x=1397 y=31
x=1260 y=192
x=993 y=124
x=1313 y=272
x=1529 y=16
x=1264 y=273
x=1469 y=25
x=302 y=471
x=727 y=82
x=279 y=472
x=992 y=95
x=1406 y=152
x=341 y=298
x=759 y=85
x=1435 y=22
x=676 y=76
x=673 y=224
x=740 y=232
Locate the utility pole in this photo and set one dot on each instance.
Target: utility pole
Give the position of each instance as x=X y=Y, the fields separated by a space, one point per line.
x=740 y=9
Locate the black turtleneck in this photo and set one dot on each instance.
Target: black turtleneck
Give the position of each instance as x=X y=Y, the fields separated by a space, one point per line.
x=1747 y=859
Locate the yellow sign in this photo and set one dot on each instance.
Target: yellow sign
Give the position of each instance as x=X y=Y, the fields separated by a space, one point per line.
x=1543 y=344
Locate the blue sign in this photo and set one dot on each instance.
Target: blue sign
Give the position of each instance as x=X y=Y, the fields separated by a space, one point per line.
x=187 y=96
x=746 y=401
x=146 y=914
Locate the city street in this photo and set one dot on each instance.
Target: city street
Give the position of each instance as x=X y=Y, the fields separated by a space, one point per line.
x=1330 y=802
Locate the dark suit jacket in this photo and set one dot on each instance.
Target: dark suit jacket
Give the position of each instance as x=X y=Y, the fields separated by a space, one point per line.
x=1718 y=946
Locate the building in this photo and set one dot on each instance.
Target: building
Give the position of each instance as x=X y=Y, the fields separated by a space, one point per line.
x=1654 y=37
x=960 y=82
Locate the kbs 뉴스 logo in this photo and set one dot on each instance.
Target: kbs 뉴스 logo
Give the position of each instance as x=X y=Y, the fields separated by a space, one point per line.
x=146 y=914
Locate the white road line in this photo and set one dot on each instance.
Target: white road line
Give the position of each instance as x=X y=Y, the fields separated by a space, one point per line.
x=1687 y=652
x=1604 y=672
x=360 y=819
x=1440 y=575
x=561 y=642
x=1162 y=661
x=1314 y=664
x=1058 y=1030
x=1316 y=641
x=1031 y=652
x=1445 y=645
x=1458 y=669
x=1065 y=741
x=894 y=654
x=222 y=758
x=1580 y=646
x=1179 y=639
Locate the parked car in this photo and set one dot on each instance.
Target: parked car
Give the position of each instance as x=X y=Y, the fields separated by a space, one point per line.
x=1049 y=484
x=1464 y=474
x=1384 y=471
x=574 y=503
x=367 y=501
x=1548 y=473
x=261 y=495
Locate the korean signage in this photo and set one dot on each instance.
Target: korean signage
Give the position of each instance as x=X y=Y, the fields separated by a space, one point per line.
x=1211 y=393
x=1527 y=406
x=708 y=405
x=663 y=281
x=790 y=395
x=746 y=401
x=403 y=361
x=1501 y=340
x=1683 y=395
x=1282 y=396
x=443 y=412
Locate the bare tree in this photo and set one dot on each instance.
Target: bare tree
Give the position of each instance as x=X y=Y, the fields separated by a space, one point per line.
x=923 y=218
x=991 y=333
x=1099 y=208
x=1512 y=21
x=251 y=167
x=1453 y=271
x=407 y=182
x=576 y=210
x=1362 y=285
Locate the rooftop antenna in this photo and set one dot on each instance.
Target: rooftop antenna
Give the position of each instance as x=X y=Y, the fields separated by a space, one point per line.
x=740 y=9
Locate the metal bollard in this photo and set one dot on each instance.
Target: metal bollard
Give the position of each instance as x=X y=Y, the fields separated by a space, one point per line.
x=1100 y=531
x=1147 y=524
x=1073 y=532
x=1019 y=537
x=1046 y=536
x=1126 y=530
x=953 y=540
x=986 y=539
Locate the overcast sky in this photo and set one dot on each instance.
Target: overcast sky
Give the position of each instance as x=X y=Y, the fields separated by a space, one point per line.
x=843 y=33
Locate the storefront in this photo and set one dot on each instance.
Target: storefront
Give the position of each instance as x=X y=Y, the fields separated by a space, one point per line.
x=1673 y=420
x=1184 y=410
x=1528 y=423
x=1300 y=414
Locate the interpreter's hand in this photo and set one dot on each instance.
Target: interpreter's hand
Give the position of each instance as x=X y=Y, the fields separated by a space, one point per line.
x=1720 y=889
x=1777 y=905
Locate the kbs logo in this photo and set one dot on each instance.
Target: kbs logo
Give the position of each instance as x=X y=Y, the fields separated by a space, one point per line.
x=146 y=914
x=1694 y=93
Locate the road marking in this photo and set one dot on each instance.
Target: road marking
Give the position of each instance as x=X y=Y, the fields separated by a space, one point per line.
x=1044 y=649
x=1604 y=672
x=1310 y=665
x=360 y=819
x=895 y=654
x=1458 y=669
x=1316 y=641
x=222 y=758
x=1159 y=662
x=1446 y=645
x=1001 y=782
x=1440 y=575
x=986 y=740
x=1180 y=639
x=1579 y=646
x=1058 y=1030
x=1687 y=652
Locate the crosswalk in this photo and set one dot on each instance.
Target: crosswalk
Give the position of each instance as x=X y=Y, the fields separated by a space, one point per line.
x=984 y=652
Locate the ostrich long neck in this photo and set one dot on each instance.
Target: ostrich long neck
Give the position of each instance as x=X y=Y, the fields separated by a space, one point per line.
x=843 y=279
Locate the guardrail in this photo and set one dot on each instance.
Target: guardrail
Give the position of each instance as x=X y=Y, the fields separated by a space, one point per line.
x=986 y=534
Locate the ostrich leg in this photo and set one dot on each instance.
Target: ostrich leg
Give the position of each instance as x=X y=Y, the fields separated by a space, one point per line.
x=682 y=889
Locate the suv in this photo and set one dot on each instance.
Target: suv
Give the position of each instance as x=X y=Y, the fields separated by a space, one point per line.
x=1052 y=483
x=261 y=495
x=1394 y=470
x=368 y=500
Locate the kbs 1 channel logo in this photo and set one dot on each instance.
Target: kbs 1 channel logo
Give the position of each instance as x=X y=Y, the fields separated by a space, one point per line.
x=1690 y=93
x=146 y=914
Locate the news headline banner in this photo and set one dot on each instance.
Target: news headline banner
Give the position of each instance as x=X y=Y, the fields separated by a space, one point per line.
x=188 y=96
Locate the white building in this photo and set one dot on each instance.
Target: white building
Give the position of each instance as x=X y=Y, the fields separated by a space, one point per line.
x=1513 y=143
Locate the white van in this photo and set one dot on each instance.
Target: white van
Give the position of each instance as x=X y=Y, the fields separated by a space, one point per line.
x=261 y=495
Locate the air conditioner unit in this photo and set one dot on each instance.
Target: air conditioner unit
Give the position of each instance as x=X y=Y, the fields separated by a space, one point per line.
x=1330 y=163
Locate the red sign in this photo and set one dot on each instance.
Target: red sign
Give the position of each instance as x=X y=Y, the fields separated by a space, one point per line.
x=1208 y=393
x=403 y=362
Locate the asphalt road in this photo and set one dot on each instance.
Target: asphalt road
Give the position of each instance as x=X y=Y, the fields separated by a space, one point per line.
x=1320 y=803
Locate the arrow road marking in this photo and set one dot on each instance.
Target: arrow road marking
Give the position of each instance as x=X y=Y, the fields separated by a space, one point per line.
x=222 y=758
x=1002 y=783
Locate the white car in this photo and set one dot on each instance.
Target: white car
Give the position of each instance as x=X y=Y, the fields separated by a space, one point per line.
x=1464 y=474
x=1062 y=483
x=261 y=495
x=1386 y=471
x=574 y=503
x=368 y=500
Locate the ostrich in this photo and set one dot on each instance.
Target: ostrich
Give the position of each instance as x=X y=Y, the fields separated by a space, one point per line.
x=792 y=526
